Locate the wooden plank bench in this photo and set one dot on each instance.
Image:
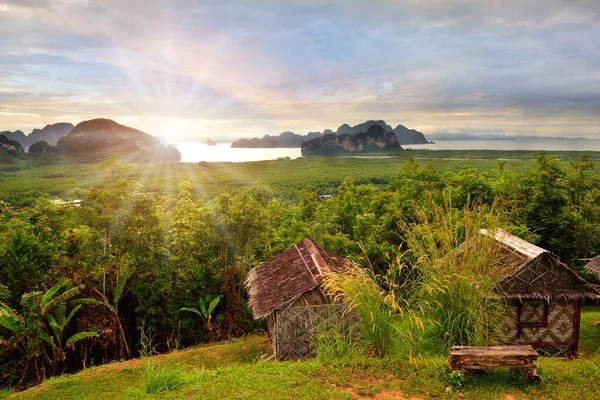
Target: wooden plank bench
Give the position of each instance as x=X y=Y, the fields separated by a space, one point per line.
x=468 y=358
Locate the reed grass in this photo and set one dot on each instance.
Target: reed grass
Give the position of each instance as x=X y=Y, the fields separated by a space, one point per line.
x=384 y=329
x=441 y=292
x=459 y=273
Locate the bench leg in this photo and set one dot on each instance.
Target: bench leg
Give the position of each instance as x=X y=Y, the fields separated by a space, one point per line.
x=532 y=374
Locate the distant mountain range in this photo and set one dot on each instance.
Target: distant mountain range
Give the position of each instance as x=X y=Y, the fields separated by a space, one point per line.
x=50 y=134
x=467 y=136
x=291 y=139
x=90 y=141
x=376 y=138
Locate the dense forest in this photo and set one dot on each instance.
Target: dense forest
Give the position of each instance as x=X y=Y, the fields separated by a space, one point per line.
x=127 y=270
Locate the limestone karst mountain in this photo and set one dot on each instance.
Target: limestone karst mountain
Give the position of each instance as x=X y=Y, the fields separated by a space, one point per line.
x=376 y=138
x=96 y=139
x=290 y=139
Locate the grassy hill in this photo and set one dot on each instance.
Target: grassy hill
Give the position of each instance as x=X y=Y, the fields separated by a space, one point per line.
x=236 y=370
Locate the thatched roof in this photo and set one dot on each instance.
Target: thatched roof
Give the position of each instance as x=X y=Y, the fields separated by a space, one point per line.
x=276 y=283
x=513 y=251
x=594 y=267
x=536 y=273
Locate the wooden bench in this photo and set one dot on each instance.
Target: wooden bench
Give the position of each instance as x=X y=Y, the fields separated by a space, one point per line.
x=468 y=358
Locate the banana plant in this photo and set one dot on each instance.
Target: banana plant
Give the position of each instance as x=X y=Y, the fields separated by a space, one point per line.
x=112 y=303
x=57 y=323
x=204 y=313
x=29 y=330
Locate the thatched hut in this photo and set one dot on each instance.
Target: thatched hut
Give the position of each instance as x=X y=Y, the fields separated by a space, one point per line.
x=286 y=290
x=544 y=297
x=593 y=267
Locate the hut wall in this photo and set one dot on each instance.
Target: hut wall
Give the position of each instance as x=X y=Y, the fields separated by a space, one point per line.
x=295 y=326
x=556 y=335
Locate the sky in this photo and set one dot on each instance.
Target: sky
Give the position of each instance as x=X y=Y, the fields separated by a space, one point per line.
x=189 y=70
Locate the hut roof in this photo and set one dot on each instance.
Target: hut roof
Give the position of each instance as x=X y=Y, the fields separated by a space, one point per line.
x=594 y=266
x=536 y=273
x=523 y=247
x=276 y=283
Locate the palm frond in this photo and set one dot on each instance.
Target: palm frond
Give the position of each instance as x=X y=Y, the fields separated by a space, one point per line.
x=202 y=306
x=71 y=314
x=120 y=286
x=51 y=292
x=61 y=298
x=91 y=302
x=9 y=319
x=81 y=335
x=60 y=312
x=46 y=338
x=191 y=309
x=50 y=319
x=213 y=304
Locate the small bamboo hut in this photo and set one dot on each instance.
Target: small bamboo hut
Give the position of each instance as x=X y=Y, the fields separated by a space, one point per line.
x=593 y=267
x=286 y=290
x=544 y=297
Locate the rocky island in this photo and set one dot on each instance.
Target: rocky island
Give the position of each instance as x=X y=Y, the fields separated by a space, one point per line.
x=376 y=138
x=291 y=139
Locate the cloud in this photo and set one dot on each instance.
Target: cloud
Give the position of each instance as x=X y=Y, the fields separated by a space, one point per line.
x=265 y=66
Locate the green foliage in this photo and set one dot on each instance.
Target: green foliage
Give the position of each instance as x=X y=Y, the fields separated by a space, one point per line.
x=459 y=272
x=203 y=312
x=455 y=379
x=30 y=335
x=147 y=347
x=161 y=377
x=149 y=241
x=112 y=304
x=334 y=345
x=26 y=259
x=226 y=370
x=385 y=329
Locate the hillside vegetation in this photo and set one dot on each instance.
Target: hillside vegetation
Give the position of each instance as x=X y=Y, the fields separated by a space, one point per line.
x=163 y=251
x=236 y=369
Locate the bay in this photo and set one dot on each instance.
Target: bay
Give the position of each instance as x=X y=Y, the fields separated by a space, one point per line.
x=222 y=152
x=523 y=144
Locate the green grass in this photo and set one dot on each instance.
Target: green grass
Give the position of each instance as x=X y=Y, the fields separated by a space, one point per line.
x=21 y=183
x=235 y=370
x=161 y=377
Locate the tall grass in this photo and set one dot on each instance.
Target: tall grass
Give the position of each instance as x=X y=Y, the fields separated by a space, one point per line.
x=442 y=291
x=146 y=343
x=335 y=344
x=459 y=273
x=384 y=327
